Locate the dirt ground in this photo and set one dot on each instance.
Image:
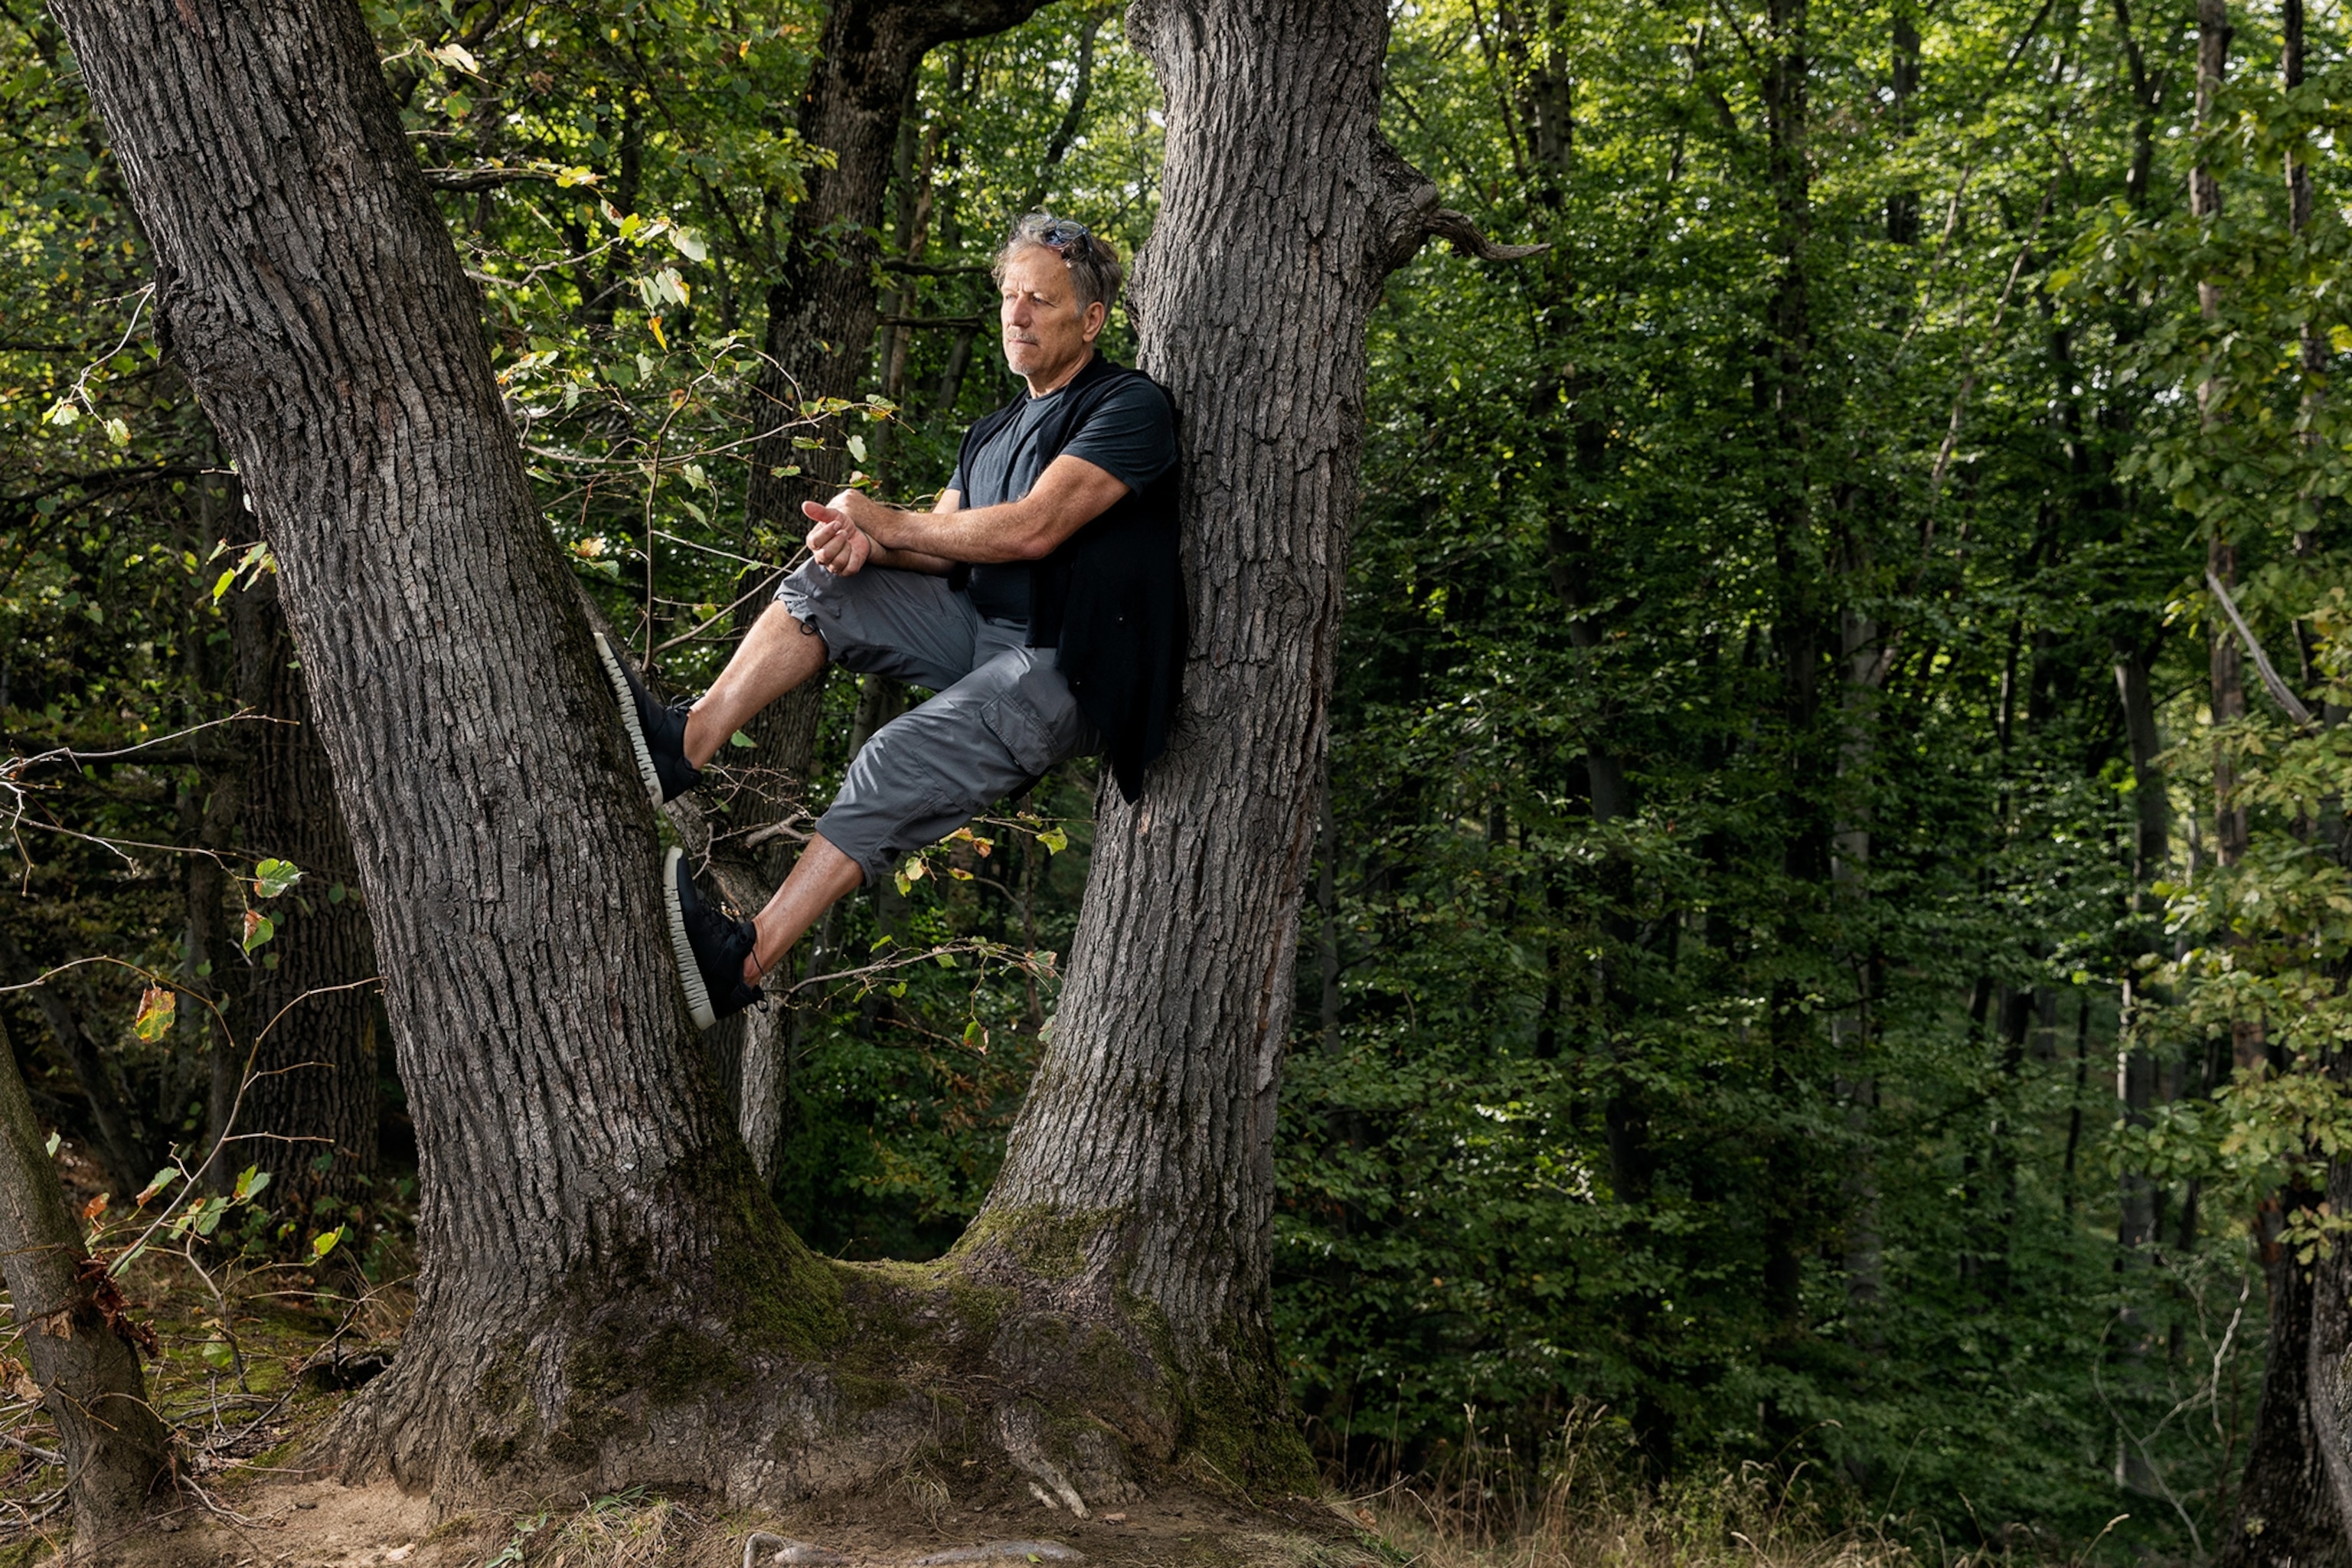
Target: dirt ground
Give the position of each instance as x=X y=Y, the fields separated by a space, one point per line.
x=324 y=1524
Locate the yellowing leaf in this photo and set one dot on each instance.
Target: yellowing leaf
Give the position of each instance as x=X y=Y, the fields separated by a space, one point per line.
x=157 y=1005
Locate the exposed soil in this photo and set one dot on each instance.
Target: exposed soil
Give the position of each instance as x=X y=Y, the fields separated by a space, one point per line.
x=323 y=1524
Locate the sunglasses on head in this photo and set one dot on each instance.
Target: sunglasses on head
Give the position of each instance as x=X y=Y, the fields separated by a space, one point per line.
x=1061 y=233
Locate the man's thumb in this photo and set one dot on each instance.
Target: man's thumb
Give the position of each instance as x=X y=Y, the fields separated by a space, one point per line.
x=819 y=512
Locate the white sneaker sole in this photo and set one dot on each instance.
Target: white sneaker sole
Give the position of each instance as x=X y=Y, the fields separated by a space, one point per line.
x=690 y=973
x=628 y=703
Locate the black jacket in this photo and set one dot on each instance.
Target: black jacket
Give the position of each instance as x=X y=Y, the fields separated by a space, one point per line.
x=1111 y=596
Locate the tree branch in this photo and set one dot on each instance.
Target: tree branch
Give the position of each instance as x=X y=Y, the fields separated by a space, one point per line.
x=1448 y=224
x=2279 y=691
x=485 y=178
x=1413 y=216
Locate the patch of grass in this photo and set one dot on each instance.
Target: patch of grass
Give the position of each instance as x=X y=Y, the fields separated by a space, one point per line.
x=1591 y=1511
x=630 y=1529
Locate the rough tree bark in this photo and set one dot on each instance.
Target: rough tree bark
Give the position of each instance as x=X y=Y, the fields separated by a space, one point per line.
x=117 y=1453
x=307 y=1021
x=597 y=1258
x=1148 y=1137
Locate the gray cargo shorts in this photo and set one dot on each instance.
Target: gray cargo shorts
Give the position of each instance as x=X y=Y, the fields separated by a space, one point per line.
x=1002 y=715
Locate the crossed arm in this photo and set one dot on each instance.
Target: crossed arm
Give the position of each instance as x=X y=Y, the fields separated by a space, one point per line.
x=854 y=531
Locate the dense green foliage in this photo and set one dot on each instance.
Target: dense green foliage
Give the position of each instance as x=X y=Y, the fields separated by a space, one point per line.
x=1738 y=917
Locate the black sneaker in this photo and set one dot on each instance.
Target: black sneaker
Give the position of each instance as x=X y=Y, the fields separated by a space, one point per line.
x=656 y=734
x=711 y=948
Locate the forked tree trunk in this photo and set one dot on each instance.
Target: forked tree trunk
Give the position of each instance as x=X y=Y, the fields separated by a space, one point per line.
x=117 y=1453
x=608 y=1296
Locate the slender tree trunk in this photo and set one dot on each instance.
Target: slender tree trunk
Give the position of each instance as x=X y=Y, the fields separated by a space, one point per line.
x=821 y=323
x=1796 y=1216
x=307 y=1016
x=123 y=1146
x=820 y=309
x=118 y=1454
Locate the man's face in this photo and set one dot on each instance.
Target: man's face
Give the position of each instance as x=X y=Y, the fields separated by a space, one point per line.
x=1046 y=334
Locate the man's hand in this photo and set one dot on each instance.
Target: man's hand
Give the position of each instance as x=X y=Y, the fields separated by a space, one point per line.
x=840 y=546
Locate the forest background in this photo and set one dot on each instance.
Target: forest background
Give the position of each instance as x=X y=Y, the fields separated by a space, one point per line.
x=1813 y=953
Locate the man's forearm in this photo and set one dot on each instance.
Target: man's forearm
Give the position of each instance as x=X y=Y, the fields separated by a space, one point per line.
x=983 y=534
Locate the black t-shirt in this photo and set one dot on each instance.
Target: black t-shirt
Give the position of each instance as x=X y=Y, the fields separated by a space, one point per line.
x=1131 y=437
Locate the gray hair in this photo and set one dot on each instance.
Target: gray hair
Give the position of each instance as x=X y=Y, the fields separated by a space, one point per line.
x=1094 y=271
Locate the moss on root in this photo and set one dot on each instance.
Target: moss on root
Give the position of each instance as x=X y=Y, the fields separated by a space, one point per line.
x=1235 y=1427
x=1048 y=1243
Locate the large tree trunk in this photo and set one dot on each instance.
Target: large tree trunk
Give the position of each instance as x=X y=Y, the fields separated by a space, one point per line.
x=117 y=1453
x=307 y=1016
x=1146 y=1142
x=597 y=1258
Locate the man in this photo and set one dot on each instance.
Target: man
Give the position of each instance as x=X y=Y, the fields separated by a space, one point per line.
x=1039 y=598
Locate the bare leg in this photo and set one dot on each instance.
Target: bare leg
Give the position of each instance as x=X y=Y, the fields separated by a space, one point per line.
x=777 y=654
x=821 y=878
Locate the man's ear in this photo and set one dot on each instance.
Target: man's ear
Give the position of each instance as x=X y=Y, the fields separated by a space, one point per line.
x=1096 y=314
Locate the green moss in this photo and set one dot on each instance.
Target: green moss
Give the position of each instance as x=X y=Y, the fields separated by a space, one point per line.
x=1236 y=1432
x=679 y=1363
x=861 y=1393
x=978 y=1309
x=779 y=1297
x=1048 y=1243
x=506 y=1415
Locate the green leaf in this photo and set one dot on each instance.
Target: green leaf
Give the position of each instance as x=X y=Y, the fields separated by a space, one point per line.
x=1054 y=840
x=258 y=928
x=272 y=877
x=55 y=1139
x=741 y=740
x=324 y=1242
x=157 y=1183
x=221 y=585
x=216 y=1353
x=250 y=1181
